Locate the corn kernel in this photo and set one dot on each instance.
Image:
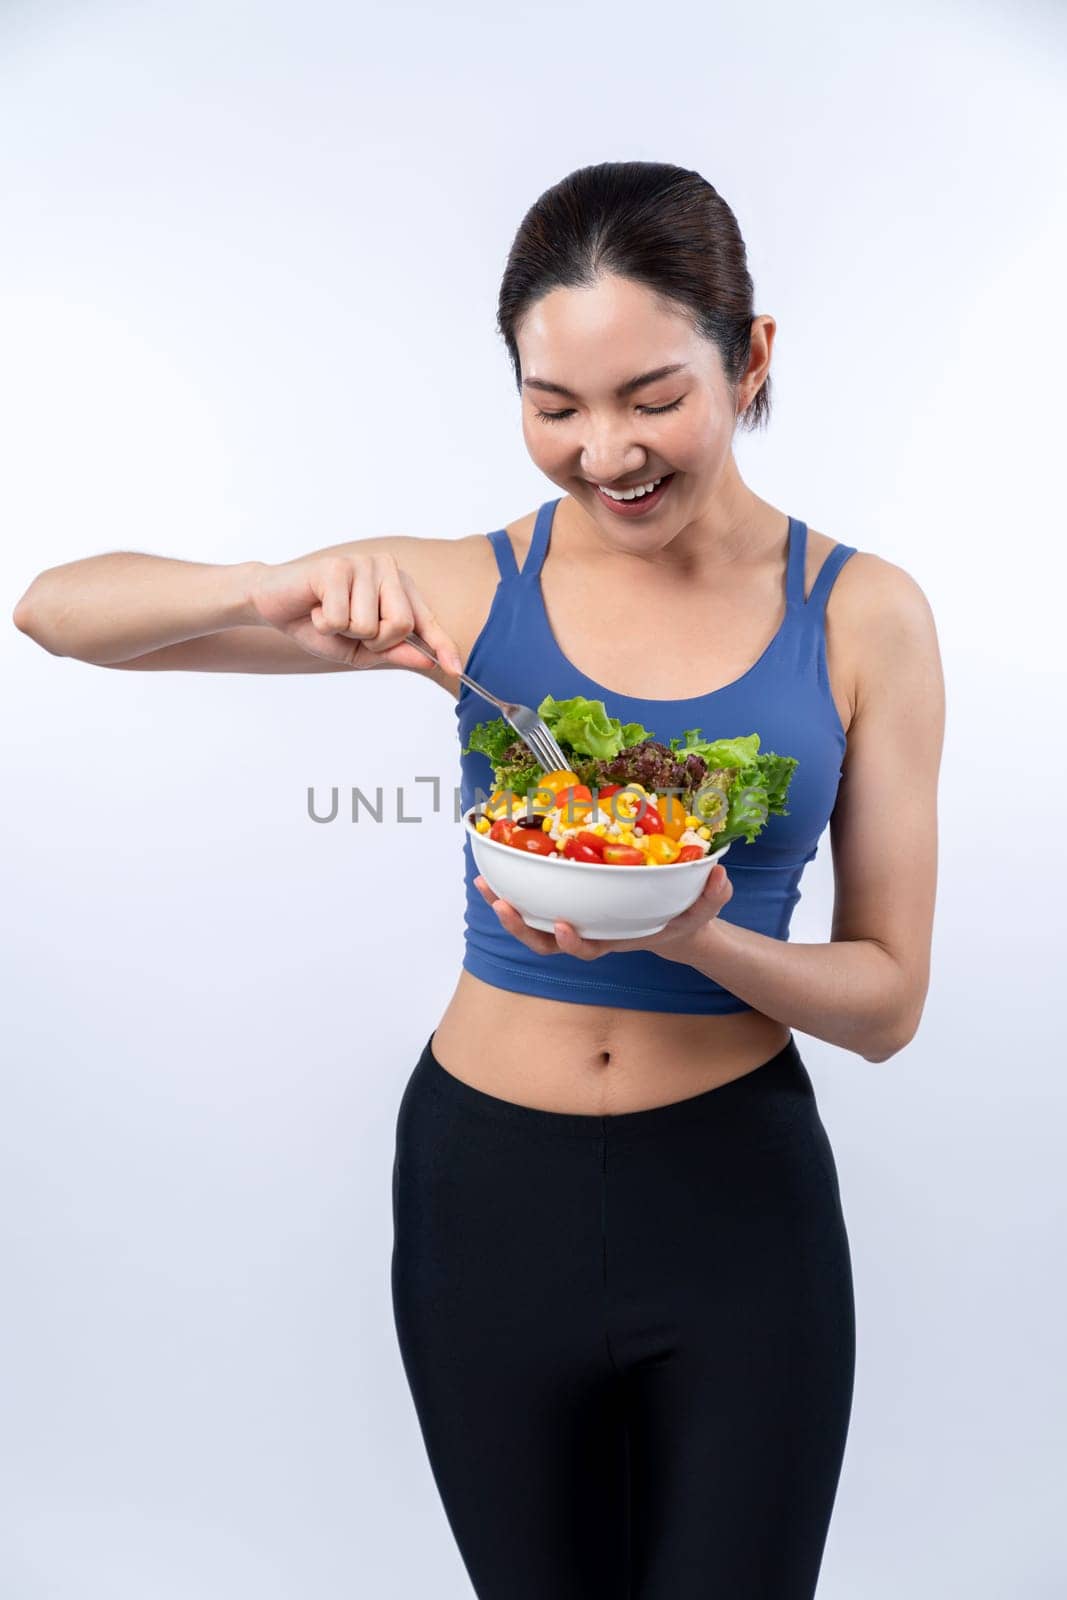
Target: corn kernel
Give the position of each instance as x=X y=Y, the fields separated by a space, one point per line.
x=705 y=833
x=482 y=826
x=546 y=826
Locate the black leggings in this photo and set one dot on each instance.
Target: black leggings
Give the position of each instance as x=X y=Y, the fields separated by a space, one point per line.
x=629 y=1339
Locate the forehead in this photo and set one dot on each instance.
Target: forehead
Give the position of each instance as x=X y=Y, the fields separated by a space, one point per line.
x=606 y=332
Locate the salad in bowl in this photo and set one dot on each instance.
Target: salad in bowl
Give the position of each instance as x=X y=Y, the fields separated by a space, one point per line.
x=624 y=800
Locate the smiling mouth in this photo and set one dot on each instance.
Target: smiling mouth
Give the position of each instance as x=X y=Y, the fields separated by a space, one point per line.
x=635 y=505
x=620 y=488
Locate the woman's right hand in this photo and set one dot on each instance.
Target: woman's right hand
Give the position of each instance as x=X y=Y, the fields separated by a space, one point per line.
x=355 y=609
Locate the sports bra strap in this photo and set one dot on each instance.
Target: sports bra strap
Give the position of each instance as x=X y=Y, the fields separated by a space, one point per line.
x=795 y=569
x=794 y=572
x=824 y=580
x=535 y=555
x=505 y=555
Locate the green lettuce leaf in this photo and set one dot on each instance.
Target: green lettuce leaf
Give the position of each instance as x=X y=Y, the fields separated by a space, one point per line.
x=519 y=773
x=584 y=726
x=759 y=784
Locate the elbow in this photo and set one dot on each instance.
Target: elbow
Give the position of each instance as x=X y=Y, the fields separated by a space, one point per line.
x=22 y=616
x=883 y=1048
x=28 y=619
x=894 y=1034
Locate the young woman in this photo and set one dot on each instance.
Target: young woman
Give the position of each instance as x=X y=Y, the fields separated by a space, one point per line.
x=621 y=1275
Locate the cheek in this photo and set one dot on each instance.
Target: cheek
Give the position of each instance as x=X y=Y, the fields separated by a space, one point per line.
x=543 y=448
x=700 y=443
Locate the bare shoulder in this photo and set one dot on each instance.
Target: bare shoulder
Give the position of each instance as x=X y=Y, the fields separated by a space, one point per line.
x=876 y=612
x=887 y=618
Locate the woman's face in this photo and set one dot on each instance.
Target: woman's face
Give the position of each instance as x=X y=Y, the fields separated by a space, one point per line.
x=591 y=342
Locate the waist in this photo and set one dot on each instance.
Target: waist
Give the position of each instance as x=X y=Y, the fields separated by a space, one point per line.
x=594 y=1060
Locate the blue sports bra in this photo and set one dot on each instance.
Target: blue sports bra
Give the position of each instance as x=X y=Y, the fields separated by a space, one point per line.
x=784 y=697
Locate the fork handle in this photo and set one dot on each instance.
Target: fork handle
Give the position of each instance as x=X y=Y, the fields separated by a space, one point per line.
x=420 y=644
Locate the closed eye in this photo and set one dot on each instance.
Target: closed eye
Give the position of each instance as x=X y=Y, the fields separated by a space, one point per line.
x=651 y=411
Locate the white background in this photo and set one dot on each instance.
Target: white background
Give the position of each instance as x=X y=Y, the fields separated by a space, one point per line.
x=249 y=270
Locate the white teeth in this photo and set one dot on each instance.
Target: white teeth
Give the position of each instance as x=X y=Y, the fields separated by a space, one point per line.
x=635 y=493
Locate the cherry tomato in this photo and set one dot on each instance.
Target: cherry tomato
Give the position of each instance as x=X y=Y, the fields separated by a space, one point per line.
x=575 y=791
x=560 y=778
x=533 y=841
x=576 y=802
x=691 y=852
x=609 y=788
x=574 y=850
x=502 y=829
x=623 y=855
x=662 y=849
x=592 y=841
x=648 y=818
x=673 y=813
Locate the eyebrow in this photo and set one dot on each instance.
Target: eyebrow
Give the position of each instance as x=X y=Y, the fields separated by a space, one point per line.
x=624 y=388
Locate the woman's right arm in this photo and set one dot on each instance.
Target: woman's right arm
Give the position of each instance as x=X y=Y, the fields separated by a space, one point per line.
x=341 y=608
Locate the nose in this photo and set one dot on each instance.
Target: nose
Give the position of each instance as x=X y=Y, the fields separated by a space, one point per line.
x=609 y=451
x=608 y=466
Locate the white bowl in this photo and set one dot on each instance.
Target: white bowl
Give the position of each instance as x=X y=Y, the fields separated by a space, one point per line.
x=600 y=902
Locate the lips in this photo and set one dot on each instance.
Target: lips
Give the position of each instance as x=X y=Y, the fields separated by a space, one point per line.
x=639 y=506
x=620 y=487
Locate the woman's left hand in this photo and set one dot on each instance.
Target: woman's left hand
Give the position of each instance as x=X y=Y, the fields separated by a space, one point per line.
x=675 y=941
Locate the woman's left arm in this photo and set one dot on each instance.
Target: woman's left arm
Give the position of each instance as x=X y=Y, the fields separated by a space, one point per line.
x=866 y=989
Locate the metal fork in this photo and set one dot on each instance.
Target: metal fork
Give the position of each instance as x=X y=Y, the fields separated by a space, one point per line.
x=531 y=729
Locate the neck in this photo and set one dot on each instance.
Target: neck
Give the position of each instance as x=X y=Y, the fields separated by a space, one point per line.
x=729 y=525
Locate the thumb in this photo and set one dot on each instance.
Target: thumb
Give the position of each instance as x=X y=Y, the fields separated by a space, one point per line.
x=718 y=884
x=711 y=899
x=430 y=629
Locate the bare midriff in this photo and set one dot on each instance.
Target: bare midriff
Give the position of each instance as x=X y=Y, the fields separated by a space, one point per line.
x=560 y=1055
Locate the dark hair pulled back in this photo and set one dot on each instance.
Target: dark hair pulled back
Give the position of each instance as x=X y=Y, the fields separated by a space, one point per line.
x=660 y=225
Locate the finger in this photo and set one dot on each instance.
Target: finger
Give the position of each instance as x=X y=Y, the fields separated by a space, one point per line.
x=334 y=590
x=716 y=891
x=572 y=943
x=395 y=615
x=364 y=613
x=506 y=912
x=431 y=630
x=543 y=944
x=330 y=647
x=534 y=938
x=710 y=901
